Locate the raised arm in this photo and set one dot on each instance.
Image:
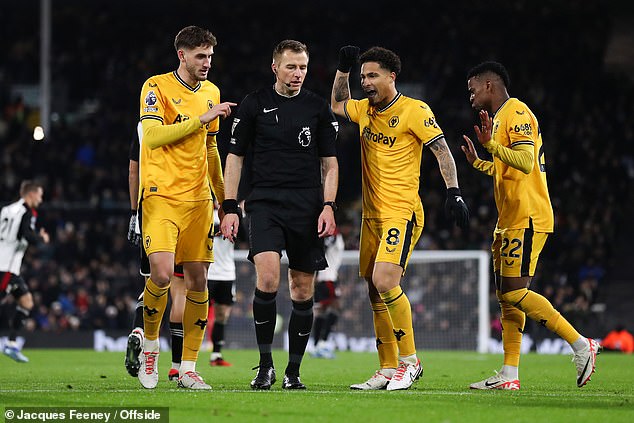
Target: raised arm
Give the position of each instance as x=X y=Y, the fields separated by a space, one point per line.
x=520 y=156
x=348 y=56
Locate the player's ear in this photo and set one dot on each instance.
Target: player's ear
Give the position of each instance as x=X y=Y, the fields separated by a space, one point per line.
x=181 y=55
x=274 y=68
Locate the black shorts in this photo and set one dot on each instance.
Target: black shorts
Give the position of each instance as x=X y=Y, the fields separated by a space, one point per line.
x=12 y=284
x=326 y=292
x=222 y=292
x=286 y=219
x=145 y=266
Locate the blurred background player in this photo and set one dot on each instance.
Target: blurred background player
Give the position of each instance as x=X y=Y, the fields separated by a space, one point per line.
x=221 y=279
x=177 y=283
x=327 y=297
x=17 y=232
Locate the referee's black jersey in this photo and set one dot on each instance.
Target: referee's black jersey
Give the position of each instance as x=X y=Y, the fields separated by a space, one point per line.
x=288 y=135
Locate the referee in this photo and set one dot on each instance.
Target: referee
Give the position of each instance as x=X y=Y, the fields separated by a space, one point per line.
x=292 y=134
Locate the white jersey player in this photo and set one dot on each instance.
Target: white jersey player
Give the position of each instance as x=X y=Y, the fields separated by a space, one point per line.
x=221 y=278
x=17 y=231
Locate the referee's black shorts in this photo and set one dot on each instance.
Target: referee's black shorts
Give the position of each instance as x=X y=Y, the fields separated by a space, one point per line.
x=286 y=219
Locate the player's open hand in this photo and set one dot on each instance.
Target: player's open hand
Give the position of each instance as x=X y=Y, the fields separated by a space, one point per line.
x=486 y=122
x=469 y=150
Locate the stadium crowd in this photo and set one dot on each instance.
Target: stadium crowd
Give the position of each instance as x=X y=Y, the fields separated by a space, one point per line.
x=88 y=276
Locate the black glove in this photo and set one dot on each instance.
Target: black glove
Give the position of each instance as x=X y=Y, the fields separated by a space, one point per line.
x=348 y=57
x=133 y=236
x=456 y=209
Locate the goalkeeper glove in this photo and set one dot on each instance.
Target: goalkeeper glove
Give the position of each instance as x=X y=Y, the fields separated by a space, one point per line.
x=133 y=236
x=348 y=57
x=456 y=209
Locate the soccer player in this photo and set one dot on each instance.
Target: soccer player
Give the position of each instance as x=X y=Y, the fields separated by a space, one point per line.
x=525 y=218
x=181 y=166
x=327 y=297
x=177 y=284
x=393 y=129
x=292 y=134
x=221 y=279
x=17 y=231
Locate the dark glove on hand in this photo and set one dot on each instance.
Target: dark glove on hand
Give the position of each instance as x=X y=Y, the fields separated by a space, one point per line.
x=133 y=236
x=456 y=209
x=348 y=57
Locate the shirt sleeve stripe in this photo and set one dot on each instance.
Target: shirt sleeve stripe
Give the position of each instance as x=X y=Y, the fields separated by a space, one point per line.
x=212 y=133
x=152 y=117
x=527 y=142
x=436 y=138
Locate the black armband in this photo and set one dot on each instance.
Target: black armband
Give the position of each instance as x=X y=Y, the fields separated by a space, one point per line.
x=231 y=206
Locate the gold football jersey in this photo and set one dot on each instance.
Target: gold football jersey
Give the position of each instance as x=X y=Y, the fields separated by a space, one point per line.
x=392 y=140
x=520 y=197
x=178 y=170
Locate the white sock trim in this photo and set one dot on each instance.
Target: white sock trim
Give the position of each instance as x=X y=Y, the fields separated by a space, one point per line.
x=151 y=345
x=187 y=366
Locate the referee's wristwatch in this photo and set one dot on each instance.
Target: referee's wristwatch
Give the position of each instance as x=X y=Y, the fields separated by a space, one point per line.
x=332 y=205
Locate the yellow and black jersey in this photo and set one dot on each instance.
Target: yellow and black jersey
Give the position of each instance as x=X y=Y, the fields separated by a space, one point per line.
x=392 y=140
x=177 y=170
x=520 y=197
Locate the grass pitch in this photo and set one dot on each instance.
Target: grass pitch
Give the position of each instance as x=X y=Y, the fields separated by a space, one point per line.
x=84 y=378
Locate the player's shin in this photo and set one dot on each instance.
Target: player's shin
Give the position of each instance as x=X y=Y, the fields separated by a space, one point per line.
x=385 y=339
x=299 y=327
x=542 y=311
x=155 y=302
x=400 y=310
x=194 y=323
x=513 y=320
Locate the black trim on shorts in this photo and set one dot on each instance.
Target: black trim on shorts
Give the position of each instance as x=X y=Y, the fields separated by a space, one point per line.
x=178 y=271
x=528 y=249
x=407 y=241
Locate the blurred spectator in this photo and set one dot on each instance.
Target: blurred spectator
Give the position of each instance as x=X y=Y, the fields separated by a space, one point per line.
x=619 y=339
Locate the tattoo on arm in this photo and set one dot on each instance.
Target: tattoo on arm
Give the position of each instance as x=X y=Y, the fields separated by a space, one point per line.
x=445 y=162
x=341 y=90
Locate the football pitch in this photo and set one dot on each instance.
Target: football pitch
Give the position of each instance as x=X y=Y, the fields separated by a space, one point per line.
x=85 y=378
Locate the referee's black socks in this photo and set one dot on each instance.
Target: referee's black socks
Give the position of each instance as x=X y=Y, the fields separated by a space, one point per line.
x=299 y=326
x=264 y=316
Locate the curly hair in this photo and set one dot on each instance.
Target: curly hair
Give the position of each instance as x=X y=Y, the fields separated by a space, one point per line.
x=491 y=67
x=387 y=59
